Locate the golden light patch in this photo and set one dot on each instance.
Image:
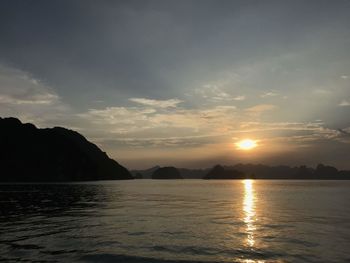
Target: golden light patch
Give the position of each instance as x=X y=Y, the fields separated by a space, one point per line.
x=246 y=144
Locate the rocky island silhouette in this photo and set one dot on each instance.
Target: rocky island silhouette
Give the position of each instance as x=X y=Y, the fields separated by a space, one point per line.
x=29 y=154
x=166 y=173
x=255 y=171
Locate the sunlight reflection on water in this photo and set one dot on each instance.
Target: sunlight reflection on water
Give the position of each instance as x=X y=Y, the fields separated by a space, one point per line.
x=249 y=211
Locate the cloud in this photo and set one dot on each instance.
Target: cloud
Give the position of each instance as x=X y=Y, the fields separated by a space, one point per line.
x=261 y=108
x=216 y=93
x=119 y=119
x=239 y=98
x=344 y=77
x=140 y=121
x=269 y=94
x=344 y=103
x=170 y=141
x=33 y=99
x=171 y=103
x=321 y=91
x=20 y=88
x=28 y=98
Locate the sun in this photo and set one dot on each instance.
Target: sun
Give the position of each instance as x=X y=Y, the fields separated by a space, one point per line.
x=246 y=144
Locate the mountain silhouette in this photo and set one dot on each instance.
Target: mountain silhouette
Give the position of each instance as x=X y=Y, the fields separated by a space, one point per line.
x=146 y=174
x=219 y=172
x=29 y=154
x=166 y=173
x=260 y=171
x=256 y=171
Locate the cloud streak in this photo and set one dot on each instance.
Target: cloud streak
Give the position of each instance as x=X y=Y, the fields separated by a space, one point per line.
x=344 y=103
x=19 y=88
x=257 y=110
x=269 y=94
x=171 y=103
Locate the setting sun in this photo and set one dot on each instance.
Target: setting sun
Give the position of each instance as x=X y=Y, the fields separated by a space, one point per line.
x=246 y=144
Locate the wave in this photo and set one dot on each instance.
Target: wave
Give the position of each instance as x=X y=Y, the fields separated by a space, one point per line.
x=134 y=259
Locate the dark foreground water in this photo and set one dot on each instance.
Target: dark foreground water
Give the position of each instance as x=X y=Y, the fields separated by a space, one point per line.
x=177 y=220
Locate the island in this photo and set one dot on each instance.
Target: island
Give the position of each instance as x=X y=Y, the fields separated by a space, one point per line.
x=259 y=171
x=166 y=173
x=30 y=154
x=219 y=172
x=254 y=171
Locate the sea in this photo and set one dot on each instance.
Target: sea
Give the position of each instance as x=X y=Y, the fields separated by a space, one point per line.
x=176 y=221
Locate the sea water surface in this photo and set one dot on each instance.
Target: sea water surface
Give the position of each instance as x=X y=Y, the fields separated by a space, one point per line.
x=175 y=221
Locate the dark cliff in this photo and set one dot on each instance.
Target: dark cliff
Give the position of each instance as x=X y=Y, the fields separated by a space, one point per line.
x=29 y=154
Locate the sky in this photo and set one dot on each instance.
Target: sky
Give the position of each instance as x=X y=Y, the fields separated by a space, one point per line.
x=181 y=82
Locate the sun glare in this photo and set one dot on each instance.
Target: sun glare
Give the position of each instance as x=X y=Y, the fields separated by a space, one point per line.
x=246 y=144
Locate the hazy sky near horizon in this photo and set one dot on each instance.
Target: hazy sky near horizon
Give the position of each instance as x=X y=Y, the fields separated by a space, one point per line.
x=180 y=82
